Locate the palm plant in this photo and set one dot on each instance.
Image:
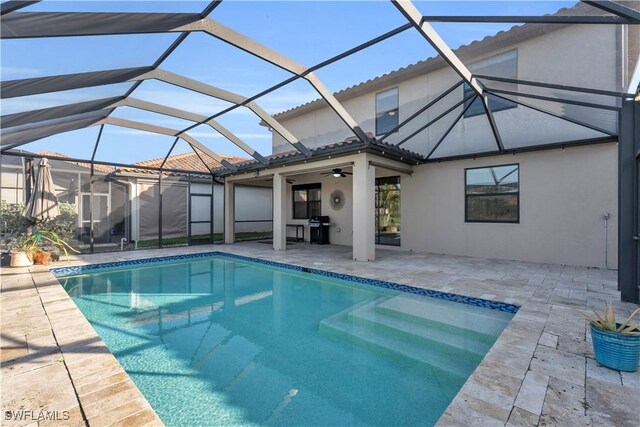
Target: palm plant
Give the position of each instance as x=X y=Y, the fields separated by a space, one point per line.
x=607 y=320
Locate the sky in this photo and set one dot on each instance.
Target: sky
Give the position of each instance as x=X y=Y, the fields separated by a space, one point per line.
x=305 y=31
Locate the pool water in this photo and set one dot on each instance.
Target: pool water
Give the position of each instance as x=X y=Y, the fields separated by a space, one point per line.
x=219 y=341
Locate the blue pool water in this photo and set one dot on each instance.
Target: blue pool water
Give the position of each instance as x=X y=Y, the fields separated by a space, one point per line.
x=221 y=341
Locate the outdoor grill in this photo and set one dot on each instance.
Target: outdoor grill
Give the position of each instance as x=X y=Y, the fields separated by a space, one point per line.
x=319 y=230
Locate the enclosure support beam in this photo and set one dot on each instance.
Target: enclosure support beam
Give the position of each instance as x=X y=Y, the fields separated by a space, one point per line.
x=160 y=209
x=229 y=212
x=413 y=15
x=492 y=122
x=189 y=209
x=628 y=195
x=279 y=212
x=212 y=210
x=364 y=180
x=91 y=174
x=95 y=148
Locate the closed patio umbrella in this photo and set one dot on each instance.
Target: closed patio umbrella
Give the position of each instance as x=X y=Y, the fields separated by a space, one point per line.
x=43 y=203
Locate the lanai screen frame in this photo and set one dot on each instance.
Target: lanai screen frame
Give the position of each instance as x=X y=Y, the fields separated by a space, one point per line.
x=16 y=24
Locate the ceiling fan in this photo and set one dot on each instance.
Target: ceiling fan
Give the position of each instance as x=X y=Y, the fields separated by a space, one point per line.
x=337 y=173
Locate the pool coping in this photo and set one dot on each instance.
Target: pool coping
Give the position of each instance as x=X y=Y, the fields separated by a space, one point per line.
x=447 y=296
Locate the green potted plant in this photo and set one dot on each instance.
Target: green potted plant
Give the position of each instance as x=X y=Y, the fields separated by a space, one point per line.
x=41 y=240
x=615 y=345
x=21 y=248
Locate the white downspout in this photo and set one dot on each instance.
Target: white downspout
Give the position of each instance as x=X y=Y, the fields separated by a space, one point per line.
x=606 y=216
x=135 y=209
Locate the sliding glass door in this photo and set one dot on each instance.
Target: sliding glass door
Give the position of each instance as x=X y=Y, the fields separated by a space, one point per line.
x=388 y=211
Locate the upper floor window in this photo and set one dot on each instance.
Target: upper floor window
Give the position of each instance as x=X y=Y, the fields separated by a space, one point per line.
x=306 y=201
x=503 y=65
x=492 y=194
x=386 y=111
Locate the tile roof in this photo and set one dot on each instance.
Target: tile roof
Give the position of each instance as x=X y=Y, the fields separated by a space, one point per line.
x=349 y=145
x=60 y=156
x=186 y=162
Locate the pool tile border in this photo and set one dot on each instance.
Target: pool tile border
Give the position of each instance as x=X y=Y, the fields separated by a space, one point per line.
x=478 y=302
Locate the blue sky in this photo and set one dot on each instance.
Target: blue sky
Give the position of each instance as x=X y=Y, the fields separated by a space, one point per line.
x=306 y=31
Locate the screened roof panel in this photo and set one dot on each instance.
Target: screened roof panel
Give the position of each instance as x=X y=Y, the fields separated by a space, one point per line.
x=246 y=127
x=151 y=118
x=27 y=58
x=310 y=32
x=394 y=53
x=204 y=58
x=469 y=136
x=53 y=99
x=590 y=56
x=117 y=6
x=290 y=96
x=77 y=144
x=422 y=133
x=606 y=120
x=138 y=145
x=177 y=97
x=547 y=129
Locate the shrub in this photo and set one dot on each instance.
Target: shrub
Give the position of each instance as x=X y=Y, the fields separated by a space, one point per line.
x=13 y=223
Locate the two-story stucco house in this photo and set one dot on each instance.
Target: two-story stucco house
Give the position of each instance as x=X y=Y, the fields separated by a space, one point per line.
x=535 y=180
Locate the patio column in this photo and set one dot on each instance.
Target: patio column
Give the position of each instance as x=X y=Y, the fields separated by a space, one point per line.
x=229 y=212
x=279 y=212
x=364 y=179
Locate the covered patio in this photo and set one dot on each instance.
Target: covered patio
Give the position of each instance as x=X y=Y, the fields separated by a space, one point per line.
x=352 y=226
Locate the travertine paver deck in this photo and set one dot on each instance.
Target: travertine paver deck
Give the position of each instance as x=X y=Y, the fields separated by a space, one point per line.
x=541 y=370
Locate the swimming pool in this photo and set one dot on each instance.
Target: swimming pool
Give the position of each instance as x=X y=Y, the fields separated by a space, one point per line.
x=219 y=339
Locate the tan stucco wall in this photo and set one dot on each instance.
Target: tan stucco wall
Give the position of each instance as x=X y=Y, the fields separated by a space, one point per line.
x=563 y=195
x=342 y=232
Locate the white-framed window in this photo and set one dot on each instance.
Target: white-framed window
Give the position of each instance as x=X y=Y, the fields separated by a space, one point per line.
x=386 y=111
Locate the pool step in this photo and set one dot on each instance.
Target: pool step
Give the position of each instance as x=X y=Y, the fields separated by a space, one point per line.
x=440 y=359
x=464 y=340
x=445 y=314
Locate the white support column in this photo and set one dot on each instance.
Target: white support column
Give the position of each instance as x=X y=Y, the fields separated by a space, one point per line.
x=229 y=212
x=279 y=212
x=364 y=179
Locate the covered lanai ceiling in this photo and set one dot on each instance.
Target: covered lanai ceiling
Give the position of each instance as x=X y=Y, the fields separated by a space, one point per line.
x=118 y=64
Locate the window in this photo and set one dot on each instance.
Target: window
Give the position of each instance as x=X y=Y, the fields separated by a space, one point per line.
x=386 y=111
x=306 y=201
x=503 y=65
x=492 y=194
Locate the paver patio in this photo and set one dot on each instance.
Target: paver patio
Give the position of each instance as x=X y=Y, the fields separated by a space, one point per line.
x=541 y=370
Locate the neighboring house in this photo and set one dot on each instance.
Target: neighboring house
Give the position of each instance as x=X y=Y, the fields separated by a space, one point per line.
x=126 y=202
x=188 y=200
x=542 y=206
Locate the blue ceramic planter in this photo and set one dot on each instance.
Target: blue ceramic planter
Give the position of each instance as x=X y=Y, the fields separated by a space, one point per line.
x=616 y=351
